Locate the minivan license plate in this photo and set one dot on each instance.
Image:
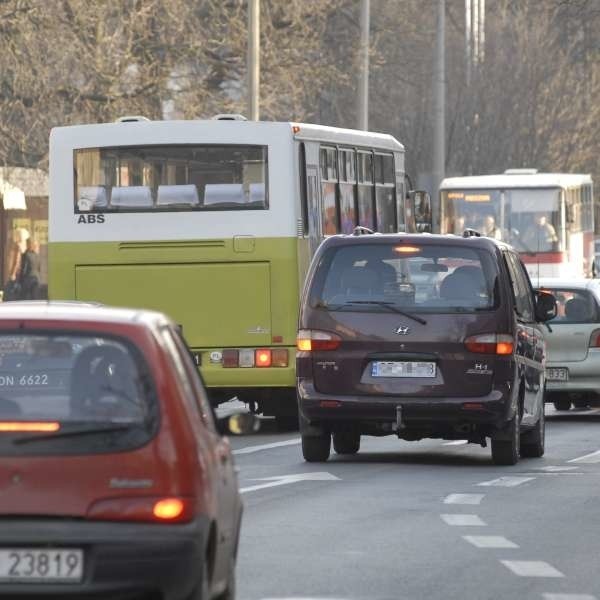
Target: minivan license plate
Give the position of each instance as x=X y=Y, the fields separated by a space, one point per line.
x=36 y=565
x=403 y=369
x=557 y=374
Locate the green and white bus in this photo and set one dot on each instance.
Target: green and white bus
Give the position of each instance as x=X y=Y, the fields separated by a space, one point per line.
x=214 y=222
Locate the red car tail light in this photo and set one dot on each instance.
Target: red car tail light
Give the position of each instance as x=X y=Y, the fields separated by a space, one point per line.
x=595 y=339
x=148 y=509
x=281 y=357
x=311 y=339
x=231 y=358
x=490 y=343
x=168 y=509
x=262 y=358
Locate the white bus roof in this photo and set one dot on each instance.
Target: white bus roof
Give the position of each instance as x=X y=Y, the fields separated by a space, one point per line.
x=534 y=180
x=135 y=133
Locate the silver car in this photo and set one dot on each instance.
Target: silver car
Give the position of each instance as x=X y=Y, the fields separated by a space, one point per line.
x=573 y=343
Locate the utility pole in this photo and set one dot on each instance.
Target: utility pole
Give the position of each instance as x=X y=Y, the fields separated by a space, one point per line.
x=363 y=87
x=253 y=59
x=439 y=126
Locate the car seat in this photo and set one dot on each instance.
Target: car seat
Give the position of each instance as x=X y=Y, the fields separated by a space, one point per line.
x=462 y=285
x=103 y=385
x=361 y=281
x=578 y=309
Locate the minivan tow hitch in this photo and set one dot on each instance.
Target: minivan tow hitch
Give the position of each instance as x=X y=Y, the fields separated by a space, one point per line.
x=399 y=423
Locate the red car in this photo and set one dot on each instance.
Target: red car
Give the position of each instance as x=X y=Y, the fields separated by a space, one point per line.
x=114 y=482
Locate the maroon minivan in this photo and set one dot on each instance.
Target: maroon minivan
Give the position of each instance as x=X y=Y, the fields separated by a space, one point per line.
x=421 y=336
x=114 y=482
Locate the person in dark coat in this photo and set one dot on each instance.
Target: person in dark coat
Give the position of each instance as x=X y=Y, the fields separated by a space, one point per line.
x=29 y=276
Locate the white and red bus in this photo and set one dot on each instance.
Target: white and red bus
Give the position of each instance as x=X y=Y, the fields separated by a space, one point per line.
x=547 y=217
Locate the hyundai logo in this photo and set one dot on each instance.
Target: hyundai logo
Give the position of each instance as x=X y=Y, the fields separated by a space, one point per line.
x=402 y=330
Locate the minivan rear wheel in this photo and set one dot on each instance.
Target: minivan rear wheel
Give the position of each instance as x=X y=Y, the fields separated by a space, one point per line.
x=505 y=451
x=316 y=448
x=533 y=442
x=562 y=404
x=346 y=442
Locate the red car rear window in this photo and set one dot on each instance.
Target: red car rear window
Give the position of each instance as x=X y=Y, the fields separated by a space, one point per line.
x=78 y=387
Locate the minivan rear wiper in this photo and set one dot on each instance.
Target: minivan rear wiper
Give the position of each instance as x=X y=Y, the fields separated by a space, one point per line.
x=77 y=431
x=391 y=306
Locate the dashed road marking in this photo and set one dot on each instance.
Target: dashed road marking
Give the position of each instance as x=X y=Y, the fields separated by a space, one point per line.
x=461 y=520
x=464 y=499
x=557 y=469
x=531 y=568
x=489 y=541
x=568 y=597
x=592 y=457
x=288 y=479
x=251 y=449
x=506 y=481
x=455 y=443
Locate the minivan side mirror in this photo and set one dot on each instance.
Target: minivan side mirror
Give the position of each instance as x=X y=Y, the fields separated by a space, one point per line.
x=545 y=306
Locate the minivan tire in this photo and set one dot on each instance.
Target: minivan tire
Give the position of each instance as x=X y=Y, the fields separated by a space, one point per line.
x=506 y=451
x=316 y=448
x=533 y=442
x=562 y=404
x=346 y=442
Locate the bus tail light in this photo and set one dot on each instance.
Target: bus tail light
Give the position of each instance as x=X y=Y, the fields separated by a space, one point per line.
x=262 y=358
x=231 y=358
x=310 y=340
x=595 y=339
x=490 y=343
x=280 y=357
x=145 y=509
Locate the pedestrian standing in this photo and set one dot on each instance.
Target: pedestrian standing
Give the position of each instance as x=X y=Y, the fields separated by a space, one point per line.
x=30 y=271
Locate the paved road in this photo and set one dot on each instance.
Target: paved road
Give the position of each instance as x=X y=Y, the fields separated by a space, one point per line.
x=422 y=520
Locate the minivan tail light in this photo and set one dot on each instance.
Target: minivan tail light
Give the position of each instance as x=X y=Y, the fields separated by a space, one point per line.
x=490 y=343
x=310 y=340
x=595 y=339
x=145 y=509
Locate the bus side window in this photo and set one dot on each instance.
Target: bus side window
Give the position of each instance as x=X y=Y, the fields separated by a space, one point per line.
x=303 y=189
x=385 y=201
x=328 y=160
x=366 y=213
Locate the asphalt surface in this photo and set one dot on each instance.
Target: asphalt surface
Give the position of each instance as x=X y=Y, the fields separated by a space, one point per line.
x=432 y=520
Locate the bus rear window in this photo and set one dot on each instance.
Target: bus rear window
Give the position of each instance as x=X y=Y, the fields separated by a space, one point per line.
x=171 y=178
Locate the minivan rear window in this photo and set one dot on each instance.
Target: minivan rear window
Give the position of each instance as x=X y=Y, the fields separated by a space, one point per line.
x=424 y=278
x=73 y=394
x=574 y=306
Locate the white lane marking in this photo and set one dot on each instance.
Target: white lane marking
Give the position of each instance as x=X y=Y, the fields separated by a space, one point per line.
x=287 y=479
x=460 y=520
x=568 y=597
x=506 y=481
x=556 y=469
x=455 y=443
x=251 y=449
x=464 y=499
x=489 y=541
x=531 y=568
x=592 y=457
